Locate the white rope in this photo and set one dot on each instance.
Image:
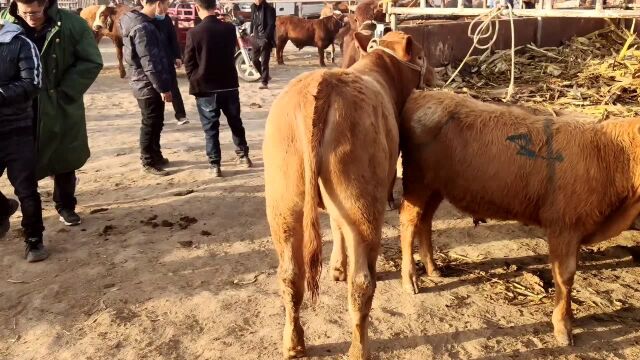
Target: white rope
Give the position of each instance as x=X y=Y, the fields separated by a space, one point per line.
x=483 y=31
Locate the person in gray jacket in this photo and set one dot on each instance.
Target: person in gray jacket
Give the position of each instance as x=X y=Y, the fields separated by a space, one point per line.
x=150 y=78
x=20 y=80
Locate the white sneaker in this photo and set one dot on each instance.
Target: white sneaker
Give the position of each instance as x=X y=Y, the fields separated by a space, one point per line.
x=183 y=121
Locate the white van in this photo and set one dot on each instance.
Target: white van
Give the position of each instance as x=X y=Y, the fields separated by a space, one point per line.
x=310 y=10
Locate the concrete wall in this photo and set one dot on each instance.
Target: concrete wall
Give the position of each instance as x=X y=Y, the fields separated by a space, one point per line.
x=447 y=42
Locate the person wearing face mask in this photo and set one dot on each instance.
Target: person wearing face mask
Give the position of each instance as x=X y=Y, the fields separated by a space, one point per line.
x=71 y=63
x=169 y=38
x=150 y=78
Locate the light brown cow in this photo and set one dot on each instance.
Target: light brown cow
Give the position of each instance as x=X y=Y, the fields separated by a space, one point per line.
x=105 y=21
x=579 y=181
x=331 y=140
x=320 y=33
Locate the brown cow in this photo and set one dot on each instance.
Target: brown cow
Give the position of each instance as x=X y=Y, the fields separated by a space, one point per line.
x=366 y=15
x=331 y=140
x=105 y=21
x=320 y=33
x=579 y=181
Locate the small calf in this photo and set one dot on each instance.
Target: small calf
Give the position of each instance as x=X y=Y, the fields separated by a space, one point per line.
x=579 y=181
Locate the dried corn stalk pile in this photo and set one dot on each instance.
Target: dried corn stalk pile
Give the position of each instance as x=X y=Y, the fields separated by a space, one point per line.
x=598 y=74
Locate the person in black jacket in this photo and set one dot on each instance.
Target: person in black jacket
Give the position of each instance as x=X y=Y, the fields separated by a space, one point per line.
x=172 y=48
x=213 y=80
x=20 y=80
x=263 y=31
x=150 y=78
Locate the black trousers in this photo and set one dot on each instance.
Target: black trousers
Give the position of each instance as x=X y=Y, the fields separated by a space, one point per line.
x=178 y=103
x=152 y=110
x=260 y=56
x=210 y=108
x=18 y=157
x=64 y=191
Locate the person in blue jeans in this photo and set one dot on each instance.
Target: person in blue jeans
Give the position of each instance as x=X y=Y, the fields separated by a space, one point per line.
x=213 y=80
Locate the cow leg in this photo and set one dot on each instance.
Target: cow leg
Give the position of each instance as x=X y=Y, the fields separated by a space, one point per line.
x=362 y=254
x=563 y=255
x=425 y=232
x=338 y=262
x=119 y=45
x=321 y=54
x=333 y=53
x=416 y=215
x=280 y=45
x=288 y=241
x=361 y=236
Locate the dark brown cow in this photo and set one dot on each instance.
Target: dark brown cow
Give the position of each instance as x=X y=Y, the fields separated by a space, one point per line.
x=320 y=33
x=105 y=21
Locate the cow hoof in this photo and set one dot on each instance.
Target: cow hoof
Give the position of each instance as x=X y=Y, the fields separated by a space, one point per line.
x=435 y=273
x=294 y=353
x=122 y=74
x=410 y=284
x=564 y=338
x=339 y=274
x=356 y=352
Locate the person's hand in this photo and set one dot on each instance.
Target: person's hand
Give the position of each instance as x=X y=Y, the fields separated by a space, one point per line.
x=178 y=63
x=167 y=97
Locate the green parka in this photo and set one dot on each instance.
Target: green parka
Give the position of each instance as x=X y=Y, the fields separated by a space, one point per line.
x=71 y=62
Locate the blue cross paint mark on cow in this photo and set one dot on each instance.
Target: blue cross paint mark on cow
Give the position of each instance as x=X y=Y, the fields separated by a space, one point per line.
x=524 y=142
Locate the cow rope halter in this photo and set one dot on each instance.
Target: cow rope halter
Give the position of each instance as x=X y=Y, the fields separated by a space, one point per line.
x=374 y=44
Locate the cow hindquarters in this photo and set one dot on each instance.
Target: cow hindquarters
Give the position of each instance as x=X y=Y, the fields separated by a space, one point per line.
x=563 y=255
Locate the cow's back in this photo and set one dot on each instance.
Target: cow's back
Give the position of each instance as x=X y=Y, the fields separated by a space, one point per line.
x=505 y=163
x=360 y=117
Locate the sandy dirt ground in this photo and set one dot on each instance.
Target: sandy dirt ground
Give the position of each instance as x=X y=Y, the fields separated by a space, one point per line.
x=182 y=267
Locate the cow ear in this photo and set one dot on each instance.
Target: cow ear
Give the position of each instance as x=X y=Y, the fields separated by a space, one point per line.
x=362 y=40
x=408 y=47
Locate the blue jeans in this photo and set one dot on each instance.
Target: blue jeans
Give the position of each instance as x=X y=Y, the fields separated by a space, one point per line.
x=209 y=108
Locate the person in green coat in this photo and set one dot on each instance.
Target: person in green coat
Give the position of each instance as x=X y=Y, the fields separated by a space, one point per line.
x=71 y=62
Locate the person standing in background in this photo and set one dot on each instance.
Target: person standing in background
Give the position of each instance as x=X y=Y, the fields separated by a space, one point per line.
x=263 y=32
x=213 y=80
x=169 y=38
x=150 y=78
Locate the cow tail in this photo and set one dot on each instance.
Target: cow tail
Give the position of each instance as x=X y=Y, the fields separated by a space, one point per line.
x=311 y=224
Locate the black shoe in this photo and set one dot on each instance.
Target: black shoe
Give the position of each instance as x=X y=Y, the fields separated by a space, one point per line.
x=215 y=169
x=5 y=225
x=35 y=250
x=69 y=217
x=155 y=169
x=244 y=161
x=263 y=87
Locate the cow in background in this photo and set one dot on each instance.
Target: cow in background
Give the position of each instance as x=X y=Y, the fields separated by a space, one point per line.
x=105 y=21
x=320 y=33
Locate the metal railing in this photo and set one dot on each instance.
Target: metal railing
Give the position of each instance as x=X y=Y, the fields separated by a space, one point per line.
x=544 y=8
